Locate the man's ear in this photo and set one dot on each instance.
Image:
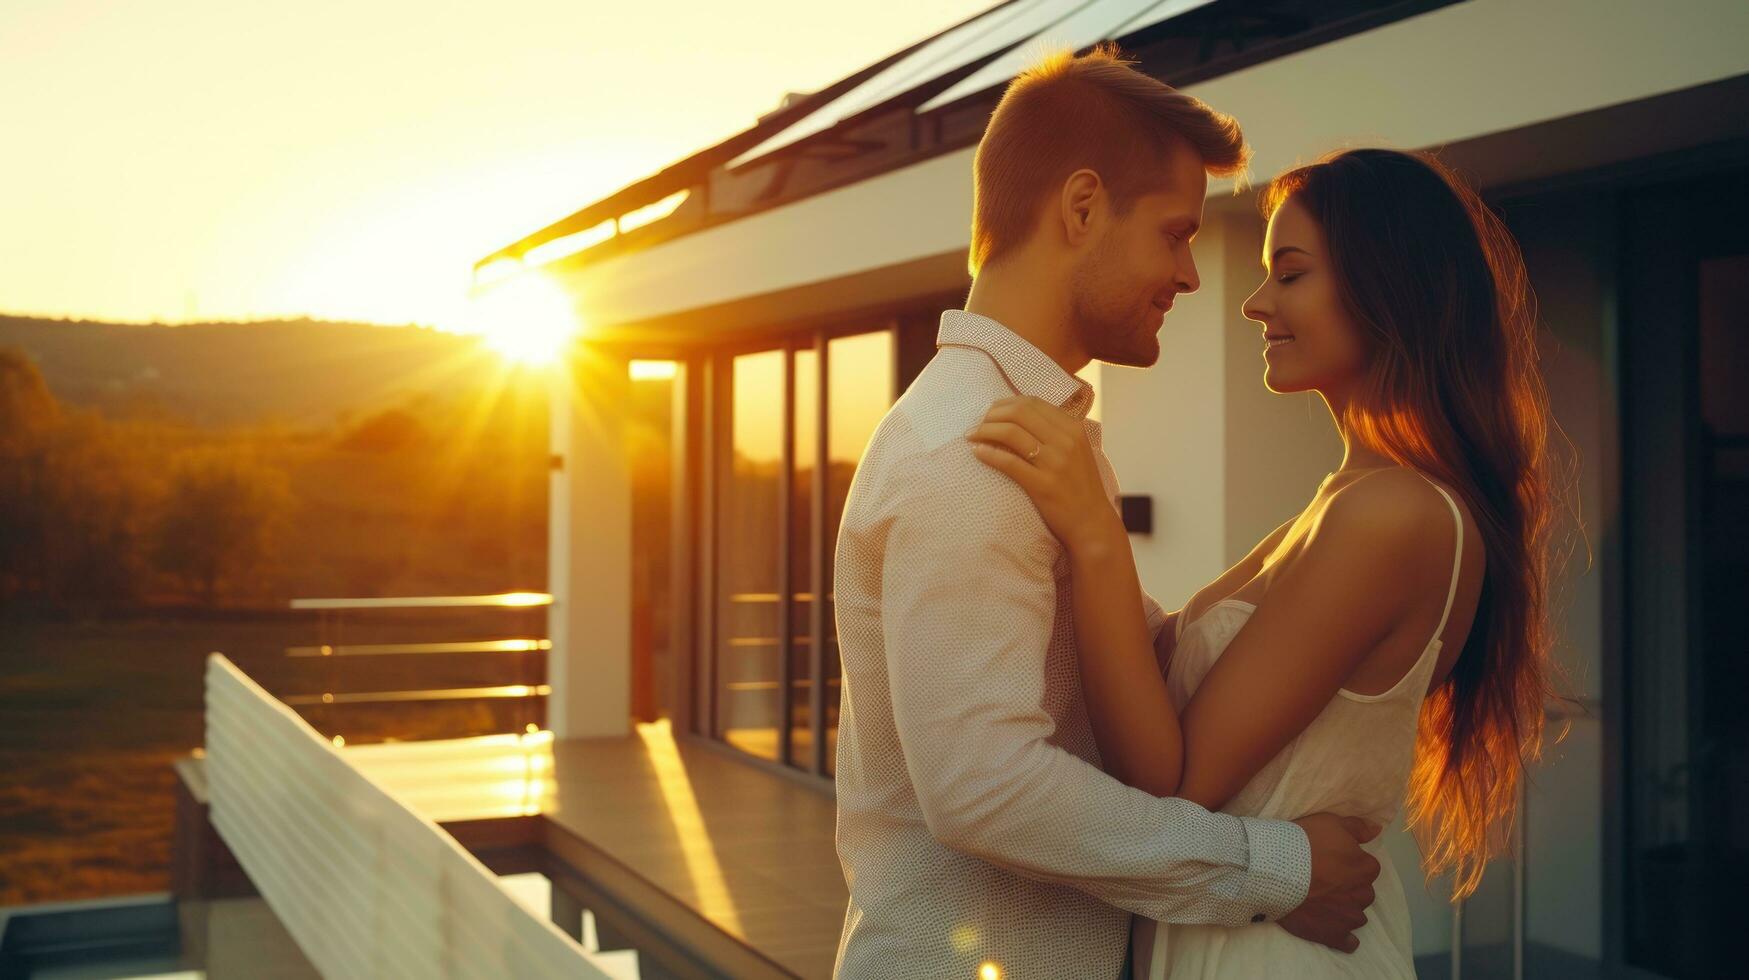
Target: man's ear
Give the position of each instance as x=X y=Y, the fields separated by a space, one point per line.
x=1079 y=205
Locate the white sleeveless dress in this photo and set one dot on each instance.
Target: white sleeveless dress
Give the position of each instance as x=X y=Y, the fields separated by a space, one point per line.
x=1352 y=760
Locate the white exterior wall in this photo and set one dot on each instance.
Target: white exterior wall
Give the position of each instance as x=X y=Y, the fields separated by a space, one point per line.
x=589 y=558
x=1225 y=459
x=1478 y=67
x=1157 y=440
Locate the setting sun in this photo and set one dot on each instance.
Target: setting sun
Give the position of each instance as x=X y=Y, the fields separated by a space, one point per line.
x=527 y=319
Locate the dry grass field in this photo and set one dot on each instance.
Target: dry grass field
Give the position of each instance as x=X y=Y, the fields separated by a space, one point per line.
x=92 y=713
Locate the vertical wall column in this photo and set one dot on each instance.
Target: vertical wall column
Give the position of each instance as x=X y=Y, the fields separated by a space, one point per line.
x=1163 y=435
x=1224 y=459
x=589 y=560
x=1278 y=447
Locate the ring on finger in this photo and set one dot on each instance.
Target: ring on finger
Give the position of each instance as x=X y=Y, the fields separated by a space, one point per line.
x=1035 y=451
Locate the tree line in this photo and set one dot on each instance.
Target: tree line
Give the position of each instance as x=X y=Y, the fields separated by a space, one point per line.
x=99 y=510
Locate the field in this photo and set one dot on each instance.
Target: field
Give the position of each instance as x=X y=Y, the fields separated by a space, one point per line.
x=93 y=713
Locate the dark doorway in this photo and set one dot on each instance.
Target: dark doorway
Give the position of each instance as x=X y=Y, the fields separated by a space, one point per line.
x=1685 y=498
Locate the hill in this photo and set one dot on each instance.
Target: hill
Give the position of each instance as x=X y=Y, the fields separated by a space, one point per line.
x=399 y=460
x=301 y=373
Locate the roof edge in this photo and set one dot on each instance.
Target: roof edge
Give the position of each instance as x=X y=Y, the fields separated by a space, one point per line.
x=690 y=171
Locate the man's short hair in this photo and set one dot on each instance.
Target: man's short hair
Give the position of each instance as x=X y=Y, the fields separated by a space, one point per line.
x=1095 y=112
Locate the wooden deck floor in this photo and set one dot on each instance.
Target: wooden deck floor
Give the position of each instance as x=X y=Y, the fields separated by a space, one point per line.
x=722 y=856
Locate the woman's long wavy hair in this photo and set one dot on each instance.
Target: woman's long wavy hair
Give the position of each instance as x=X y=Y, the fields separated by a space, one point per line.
x=1436 y=283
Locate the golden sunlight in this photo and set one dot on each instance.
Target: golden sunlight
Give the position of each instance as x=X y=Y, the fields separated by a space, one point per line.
x=521 y=598
x=528 y=319
x=654 y=370
x=697 y=849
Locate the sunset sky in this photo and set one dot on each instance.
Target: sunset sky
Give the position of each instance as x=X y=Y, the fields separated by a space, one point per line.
x=208 y=159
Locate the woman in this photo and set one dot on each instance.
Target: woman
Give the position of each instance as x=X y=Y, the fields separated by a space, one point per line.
x=1391 y=637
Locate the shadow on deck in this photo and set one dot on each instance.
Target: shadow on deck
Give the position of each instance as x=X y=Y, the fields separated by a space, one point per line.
x=706 y=865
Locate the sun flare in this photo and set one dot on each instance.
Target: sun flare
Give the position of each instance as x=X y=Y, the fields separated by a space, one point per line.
x=527 y=319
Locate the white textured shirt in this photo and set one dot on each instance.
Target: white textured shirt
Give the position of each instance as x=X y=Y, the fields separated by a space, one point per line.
x=974 y=823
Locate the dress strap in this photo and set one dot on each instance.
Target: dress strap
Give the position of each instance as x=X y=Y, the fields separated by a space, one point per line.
x=1457 y=556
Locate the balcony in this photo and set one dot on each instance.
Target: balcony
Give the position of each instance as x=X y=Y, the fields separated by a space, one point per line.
x=302 y=852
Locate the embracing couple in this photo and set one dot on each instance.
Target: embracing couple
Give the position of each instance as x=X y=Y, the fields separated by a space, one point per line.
x=1043 y=774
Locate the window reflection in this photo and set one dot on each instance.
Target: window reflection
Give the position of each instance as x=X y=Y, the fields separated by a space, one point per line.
x=860 y=384
x=749 y=515
x=755 y=711
x=807 y=429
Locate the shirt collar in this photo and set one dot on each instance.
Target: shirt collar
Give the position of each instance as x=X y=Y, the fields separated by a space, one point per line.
x=1029 y=370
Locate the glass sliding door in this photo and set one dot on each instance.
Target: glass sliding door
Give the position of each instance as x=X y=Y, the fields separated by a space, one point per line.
x=861 y=370
x=1686 y=539
x=788 y=430
x=803 y=557
x=1723 y=735
x=749 y=519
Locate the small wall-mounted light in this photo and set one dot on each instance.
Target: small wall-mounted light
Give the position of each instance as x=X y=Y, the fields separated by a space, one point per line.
x=1138 y=513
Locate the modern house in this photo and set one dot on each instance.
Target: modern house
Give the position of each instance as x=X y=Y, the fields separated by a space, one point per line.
x=745 y=317
x=794 y=274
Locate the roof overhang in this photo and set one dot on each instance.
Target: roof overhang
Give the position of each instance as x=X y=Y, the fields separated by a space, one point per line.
x=903 y=233
x=1555 y=95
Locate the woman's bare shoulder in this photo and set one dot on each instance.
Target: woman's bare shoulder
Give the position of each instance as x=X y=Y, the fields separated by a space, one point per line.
x=1395 y=512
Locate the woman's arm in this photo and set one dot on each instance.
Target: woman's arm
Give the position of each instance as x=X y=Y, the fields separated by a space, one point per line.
x=1122 y=677
x=1131 y=713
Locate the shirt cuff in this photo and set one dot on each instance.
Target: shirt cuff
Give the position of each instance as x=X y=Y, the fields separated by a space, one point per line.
x=1280 y=874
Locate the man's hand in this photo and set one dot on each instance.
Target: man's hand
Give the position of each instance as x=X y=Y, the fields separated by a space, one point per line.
x=1342 y=877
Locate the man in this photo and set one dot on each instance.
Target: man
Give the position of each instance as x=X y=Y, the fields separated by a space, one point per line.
x=975 y=829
